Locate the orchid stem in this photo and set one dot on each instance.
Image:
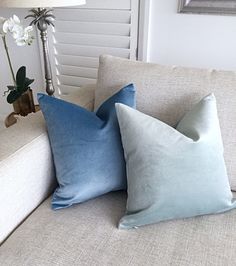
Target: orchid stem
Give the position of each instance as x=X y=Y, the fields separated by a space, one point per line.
x=9 y=59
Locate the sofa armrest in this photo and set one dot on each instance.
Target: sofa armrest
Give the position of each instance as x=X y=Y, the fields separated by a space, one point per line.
x=26 y=167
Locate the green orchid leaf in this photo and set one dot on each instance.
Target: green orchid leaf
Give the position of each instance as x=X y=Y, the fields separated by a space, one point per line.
x=13 y=96
x=26 y=86
x=11 y=88
x=20 y=78
x=28 y=82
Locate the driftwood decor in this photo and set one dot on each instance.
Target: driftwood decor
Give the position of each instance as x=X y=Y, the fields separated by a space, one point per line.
x=226 y=7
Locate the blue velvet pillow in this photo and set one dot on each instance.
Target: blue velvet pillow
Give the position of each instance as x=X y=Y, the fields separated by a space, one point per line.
x=86 y=147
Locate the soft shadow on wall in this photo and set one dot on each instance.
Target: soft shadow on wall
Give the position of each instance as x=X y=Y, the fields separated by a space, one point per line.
x=28 y=56
x=206 y=41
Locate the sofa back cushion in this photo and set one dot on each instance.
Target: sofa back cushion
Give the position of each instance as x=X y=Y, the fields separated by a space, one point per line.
x=167 y=93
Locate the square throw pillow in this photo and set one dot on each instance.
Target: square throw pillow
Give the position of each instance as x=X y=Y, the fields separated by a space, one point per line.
x=173 y=86
x=86 y=147
x=174 y=173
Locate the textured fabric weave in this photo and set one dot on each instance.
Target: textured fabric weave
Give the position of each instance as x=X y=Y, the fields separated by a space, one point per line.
x=26 y=171
x=173 y=173
x=87 y=235
x=86 y=148
x=167 y=93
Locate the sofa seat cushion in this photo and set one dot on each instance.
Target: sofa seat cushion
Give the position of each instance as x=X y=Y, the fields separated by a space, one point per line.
x=87 y=234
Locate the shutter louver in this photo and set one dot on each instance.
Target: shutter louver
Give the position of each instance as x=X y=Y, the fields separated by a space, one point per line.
x=82 y=34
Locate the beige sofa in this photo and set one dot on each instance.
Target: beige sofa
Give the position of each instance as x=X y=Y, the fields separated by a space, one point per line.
x=86 y=234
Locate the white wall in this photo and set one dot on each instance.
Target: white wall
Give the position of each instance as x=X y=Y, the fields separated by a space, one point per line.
x=28 y=56
x=207 y=41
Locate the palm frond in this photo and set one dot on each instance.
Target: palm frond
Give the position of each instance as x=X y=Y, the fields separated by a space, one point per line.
x=50 y=16
x=35 y=11
x=30 y=16
x=33 y=22
x=49 y=23
x=48 y=11
x=40 y=16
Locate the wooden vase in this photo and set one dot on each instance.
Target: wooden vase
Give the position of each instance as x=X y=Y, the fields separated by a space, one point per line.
x=24 y=105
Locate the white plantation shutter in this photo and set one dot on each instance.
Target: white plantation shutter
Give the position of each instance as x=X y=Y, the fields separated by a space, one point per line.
x=83 y=33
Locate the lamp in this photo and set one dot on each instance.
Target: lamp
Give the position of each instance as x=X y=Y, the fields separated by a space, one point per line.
x=42 y=18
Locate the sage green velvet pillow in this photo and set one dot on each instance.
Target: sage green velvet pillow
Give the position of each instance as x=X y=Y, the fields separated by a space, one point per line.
x=173 y=173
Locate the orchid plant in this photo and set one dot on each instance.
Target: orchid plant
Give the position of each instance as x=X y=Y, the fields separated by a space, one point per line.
x=22 y=36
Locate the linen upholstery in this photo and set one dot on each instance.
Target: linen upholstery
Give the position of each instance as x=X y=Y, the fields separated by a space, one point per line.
x=83 y=96
x=26 y=168
x=173 y=173
x=79 y=137
x=167 y=93
x=26 y=174
x=87 y=234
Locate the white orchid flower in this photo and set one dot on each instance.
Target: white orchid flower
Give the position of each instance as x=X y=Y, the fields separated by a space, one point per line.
x=17 y=32
x=2 y=21
x=20 y=35
x=11 y=23
x=20 y=42
x=23 y=36
x=27 y=35
x=28 y=29
x=27 y=32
